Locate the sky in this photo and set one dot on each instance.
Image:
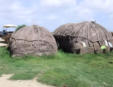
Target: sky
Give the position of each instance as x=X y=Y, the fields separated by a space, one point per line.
x=53 y=13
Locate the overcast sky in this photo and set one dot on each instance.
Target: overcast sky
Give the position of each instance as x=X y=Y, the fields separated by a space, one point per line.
x=53 y=13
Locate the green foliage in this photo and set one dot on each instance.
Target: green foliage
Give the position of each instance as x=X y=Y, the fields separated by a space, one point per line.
x=20 y=26
x=62 y=69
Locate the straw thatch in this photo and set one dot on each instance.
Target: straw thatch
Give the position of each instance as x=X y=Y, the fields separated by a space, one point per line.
x=32 y=40
x=85 y=37
x=112 y=33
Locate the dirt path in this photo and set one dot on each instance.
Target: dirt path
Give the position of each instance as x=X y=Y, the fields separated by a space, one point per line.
x=4 y=82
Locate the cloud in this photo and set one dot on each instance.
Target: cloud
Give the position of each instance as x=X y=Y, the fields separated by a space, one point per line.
x=57 y=3
x=16 y=12
x=51 y=13
x=98 y=5
x=52 y=17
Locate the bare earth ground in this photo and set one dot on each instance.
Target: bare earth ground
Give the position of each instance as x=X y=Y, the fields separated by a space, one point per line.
x=5 y=82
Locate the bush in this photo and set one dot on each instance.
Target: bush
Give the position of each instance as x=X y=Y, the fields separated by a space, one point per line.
x=20 y=26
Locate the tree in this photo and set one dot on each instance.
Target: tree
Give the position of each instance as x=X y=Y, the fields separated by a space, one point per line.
x=20 y=26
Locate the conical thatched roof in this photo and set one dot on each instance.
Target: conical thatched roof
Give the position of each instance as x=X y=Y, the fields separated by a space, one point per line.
x=32 y=40
x=89 y=30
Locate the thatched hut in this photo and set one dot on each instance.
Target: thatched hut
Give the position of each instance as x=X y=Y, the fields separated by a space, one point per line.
x=85 y=37
x=32 y=40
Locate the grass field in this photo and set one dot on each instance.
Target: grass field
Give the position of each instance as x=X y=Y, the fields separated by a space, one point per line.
x=62 y=69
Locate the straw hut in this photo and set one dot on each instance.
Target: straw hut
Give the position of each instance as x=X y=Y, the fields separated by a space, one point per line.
x=85 y=37
x=32 y=40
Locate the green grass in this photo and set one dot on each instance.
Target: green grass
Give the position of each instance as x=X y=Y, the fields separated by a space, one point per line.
x=62 y=69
